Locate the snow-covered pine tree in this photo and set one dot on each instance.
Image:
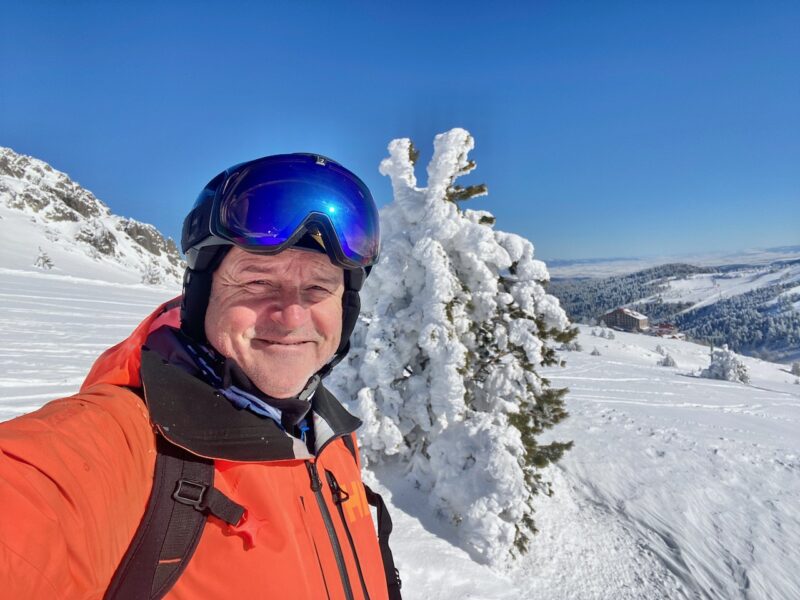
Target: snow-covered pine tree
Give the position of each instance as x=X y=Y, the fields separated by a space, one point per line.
x=152 y=274
x=796 y=368
x=43 y=260
x=573 y=346
x=445 y=373
x=667 y=361
x=726 y=365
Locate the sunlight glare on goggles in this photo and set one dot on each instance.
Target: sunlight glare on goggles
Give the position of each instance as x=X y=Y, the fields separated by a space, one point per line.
x=266 y=204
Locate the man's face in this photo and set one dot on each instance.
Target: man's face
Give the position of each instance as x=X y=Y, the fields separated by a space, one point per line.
x=279 y=317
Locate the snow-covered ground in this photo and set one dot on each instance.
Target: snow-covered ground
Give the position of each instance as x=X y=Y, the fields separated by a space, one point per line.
x=677 y=487
x=52 y=327
x=23 y=241
x=699 y=478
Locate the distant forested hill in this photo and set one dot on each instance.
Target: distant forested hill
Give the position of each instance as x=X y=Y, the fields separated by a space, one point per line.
x=753 y=309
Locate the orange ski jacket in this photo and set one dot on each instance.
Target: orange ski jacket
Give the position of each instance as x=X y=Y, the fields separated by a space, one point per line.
x=76 y=475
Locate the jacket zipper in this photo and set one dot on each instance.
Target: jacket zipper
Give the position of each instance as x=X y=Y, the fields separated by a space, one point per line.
x=316 y=552
x=339 y=496
x=316 y=487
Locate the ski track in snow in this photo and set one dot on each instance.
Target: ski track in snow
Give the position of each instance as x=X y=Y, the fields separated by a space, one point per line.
x=677 y=487
x=53 y=327
x=701 y=475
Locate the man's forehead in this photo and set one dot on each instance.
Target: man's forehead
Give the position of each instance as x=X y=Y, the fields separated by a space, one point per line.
x=308 y=261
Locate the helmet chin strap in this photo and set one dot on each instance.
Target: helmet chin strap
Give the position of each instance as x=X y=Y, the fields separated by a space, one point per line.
x=311 y=387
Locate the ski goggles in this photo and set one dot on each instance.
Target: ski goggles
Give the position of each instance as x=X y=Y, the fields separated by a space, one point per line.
x=267 y=205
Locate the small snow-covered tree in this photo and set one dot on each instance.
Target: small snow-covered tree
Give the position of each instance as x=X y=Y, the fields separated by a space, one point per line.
x=445 y=375
x=667 y=361
x=595 y=352
x=152 y=274
x=725 y=364
x=796 y=368
x=660 y=350
x=43 y=260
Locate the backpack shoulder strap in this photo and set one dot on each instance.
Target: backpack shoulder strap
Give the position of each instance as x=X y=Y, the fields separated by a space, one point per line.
x=384 y=530
x=182 y=496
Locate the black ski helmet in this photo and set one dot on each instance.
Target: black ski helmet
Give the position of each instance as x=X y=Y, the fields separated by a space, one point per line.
x=273 y=203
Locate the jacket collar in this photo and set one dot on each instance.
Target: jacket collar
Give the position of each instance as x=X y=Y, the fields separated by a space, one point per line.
x=190 y=413
x=193 y=415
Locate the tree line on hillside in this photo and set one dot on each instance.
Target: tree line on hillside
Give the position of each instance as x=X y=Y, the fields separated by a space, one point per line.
x=586 y=299
x=762 y=322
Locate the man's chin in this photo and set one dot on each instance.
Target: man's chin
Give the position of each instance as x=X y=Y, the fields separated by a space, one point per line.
x=280 y=392
x=289 y=382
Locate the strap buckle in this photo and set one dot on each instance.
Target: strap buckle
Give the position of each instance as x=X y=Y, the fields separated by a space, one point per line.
x=190 y=493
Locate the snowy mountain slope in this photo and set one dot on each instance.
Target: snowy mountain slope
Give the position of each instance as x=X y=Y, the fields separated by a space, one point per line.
x=44 y=213
x=52 y=327
x=677 y=487
x=755 y=309
x=704 y=289
x=702 y=474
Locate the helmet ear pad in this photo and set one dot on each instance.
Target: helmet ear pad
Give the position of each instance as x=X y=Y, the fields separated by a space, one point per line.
x=351 y=306
x=197 y=292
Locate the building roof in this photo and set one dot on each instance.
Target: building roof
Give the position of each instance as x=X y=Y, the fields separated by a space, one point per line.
x=633 y=313
x=630 y=312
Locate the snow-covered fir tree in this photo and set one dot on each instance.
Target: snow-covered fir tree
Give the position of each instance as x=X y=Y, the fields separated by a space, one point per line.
x=43 y=260
x=796 y=368
x=445 y=372
x=726 y=365
x=667 y=361
x=152 y=274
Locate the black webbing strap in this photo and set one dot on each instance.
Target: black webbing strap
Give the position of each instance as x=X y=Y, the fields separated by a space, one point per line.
x=181 y=498
x=384 y=531
x=351 y=446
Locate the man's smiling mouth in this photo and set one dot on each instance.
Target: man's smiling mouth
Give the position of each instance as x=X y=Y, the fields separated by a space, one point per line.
x=287 y=343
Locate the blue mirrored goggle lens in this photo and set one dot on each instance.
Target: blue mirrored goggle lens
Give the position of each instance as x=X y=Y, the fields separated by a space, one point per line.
x=264 y=206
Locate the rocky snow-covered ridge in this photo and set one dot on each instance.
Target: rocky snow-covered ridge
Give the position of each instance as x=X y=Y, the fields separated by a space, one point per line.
x=51 y=223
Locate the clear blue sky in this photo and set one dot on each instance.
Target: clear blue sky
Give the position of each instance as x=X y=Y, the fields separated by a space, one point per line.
x=602 y=128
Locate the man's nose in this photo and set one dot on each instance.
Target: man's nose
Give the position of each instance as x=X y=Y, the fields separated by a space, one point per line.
x=289 y=310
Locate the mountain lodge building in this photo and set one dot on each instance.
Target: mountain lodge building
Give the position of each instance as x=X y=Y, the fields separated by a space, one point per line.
x=626 y=319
